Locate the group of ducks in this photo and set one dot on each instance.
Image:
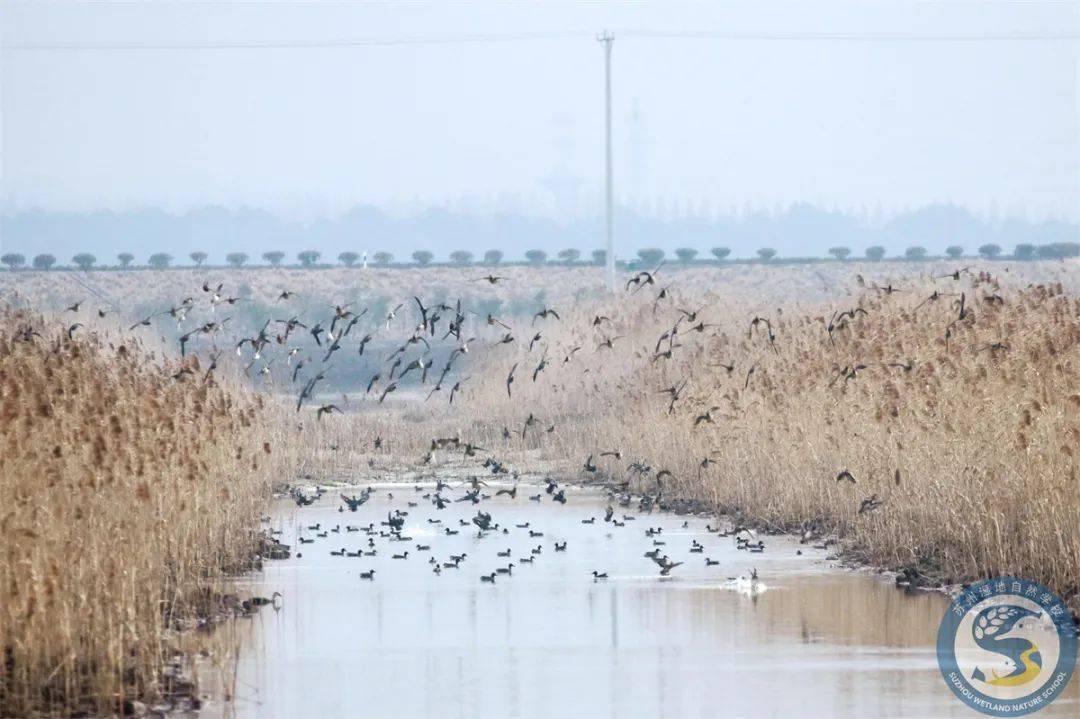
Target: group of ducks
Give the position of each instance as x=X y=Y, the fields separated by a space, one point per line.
x=393 y=531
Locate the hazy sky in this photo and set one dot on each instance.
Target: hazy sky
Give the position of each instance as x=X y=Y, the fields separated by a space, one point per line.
x=306 y=131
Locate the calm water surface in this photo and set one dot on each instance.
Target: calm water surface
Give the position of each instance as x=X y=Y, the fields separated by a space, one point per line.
x=809 y=640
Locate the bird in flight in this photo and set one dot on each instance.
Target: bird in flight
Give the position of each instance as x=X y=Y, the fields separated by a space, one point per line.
x=388 y=389
x=845 y=476
x=545 y=313
x=326 y=409
x=665 y=564
x=510 y=379
x=707 y=417
x=870 y=504
x=540 y=367
x=455 y=389
x=643 y=278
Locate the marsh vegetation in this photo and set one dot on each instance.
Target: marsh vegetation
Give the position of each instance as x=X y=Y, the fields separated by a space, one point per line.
x=924 y=422
x=130 y=485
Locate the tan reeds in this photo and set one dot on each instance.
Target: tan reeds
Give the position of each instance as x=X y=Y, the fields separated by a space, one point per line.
x=124 y=496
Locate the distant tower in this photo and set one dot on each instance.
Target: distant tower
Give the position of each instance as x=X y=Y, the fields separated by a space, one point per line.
x=561 y=183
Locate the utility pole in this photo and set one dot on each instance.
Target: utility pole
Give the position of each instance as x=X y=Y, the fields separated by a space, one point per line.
x=607 y=39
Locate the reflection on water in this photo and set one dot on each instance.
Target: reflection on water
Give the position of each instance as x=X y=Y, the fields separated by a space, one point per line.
x=548 y=641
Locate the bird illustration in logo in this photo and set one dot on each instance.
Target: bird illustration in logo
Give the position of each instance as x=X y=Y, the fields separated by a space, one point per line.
x=989 y=629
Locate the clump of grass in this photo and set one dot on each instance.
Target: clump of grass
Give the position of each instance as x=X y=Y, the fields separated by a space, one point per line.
x=125 y=494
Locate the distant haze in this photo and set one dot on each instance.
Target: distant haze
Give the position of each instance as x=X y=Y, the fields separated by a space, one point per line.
x=310 y=144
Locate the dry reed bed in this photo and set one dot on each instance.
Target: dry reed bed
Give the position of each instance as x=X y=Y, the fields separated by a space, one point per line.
x=124 y=495
x=972 y=451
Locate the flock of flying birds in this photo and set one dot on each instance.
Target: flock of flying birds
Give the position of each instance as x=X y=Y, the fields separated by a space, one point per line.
x=443 y=323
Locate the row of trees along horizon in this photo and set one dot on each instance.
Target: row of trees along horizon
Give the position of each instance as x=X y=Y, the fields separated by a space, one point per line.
x=645 y=257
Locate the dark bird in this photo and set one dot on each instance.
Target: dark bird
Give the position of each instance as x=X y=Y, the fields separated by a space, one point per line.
x=609 y=343
x=847 y=373
x=962 y=308
x=540 y=367
x=691 y=316
x=845 y=476
x=870 y=504
x=389 y=388
x=955 y=275
x=492 y=320
x=707 y=417
x=545 y=313
x=423 y=314
x=530 y=421
x=491 y=279
x=757 y=321
x=510 y=379
x=326 y=409
x=589 y=466
x=142 y=323
x=455 y=389
x=934 y=296
x=665 y=564
x=363 y=343
x=642 y=279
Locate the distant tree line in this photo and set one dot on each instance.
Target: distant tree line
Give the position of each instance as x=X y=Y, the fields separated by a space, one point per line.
x=570 y=256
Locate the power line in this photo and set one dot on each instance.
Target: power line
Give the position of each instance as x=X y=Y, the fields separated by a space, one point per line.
x=853 y=37
x=296 y=44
